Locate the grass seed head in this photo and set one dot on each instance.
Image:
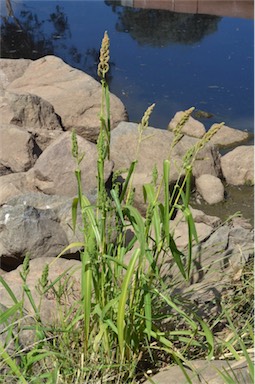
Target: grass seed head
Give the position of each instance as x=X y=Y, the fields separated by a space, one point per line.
x=74 y=144
x=145 y=119
x=103 y=66
x=177 y=131
x=25 y=268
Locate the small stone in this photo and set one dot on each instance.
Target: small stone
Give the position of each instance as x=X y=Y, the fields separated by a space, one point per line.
x=192 y=127
x=210 y=188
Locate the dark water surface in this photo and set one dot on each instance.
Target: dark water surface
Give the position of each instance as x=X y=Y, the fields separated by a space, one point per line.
x=176 y=60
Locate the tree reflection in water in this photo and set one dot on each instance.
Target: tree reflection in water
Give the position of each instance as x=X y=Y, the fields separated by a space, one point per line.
x=26 y=36
x=159 y=28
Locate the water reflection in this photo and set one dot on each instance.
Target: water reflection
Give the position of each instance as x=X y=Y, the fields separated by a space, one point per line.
x=159 y=28
x=23 y=35
x=230 y=8
x=29 y=35
x=177 y=60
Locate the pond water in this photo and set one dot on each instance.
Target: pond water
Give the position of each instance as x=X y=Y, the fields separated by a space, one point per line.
x=176 y=60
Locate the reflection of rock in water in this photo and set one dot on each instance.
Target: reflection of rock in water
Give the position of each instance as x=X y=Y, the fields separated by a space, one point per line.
x=199 y=114
x=157 y=27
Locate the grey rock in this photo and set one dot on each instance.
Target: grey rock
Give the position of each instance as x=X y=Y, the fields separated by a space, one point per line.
x=216 y=260
x=228 y=246
x=38 y=200
x=17 y=150
x=76 y=96
x=25 y=229
x=209 y=255
x=238 y=165
x=210 y=188
x=61 y=206
x=28 y=110
x=54 y=171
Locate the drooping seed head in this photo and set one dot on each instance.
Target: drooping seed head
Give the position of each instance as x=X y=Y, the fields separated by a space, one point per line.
x=191 y=154
x=177 y=130
x=145 y=119
x=185 y=117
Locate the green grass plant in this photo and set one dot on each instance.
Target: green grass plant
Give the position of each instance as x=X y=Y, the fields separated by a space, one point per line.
x=114 y=334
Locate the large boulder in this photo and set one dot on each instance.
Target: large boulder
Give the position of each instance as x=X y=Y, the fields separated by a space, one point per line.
x=217 y=256
x=154 y=149
x=238 y=166
x=54 y=171
x=60 y=207
x=75 y=96
x=217 y=260
x=25 y=229
x=11 y=69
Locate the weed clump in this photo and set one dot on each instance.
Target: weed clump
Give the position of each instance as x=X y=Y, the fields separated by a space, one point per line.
x=117 y=331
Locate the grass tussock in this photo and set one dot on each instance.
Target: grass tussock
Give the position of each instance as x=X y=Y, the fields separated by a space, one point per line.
x=127 y=321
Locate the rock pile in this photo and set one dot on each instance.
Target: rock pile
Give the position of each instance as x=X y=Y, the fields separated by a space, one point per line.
x=40 y=102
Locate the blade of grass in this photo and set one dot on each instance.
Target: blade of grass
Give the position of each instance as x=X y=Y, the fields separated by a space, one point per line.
x=166 y=170
x=12 y=364
x=123 y=301
x=8 y=290
x=177 y=256
x=74 y=212
x=209 y=337
x=136 y=221
x=88 y=210
x=86 y=296
x=118 y=205
x=127 y=180
x=148 y=312
x=5 y=315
